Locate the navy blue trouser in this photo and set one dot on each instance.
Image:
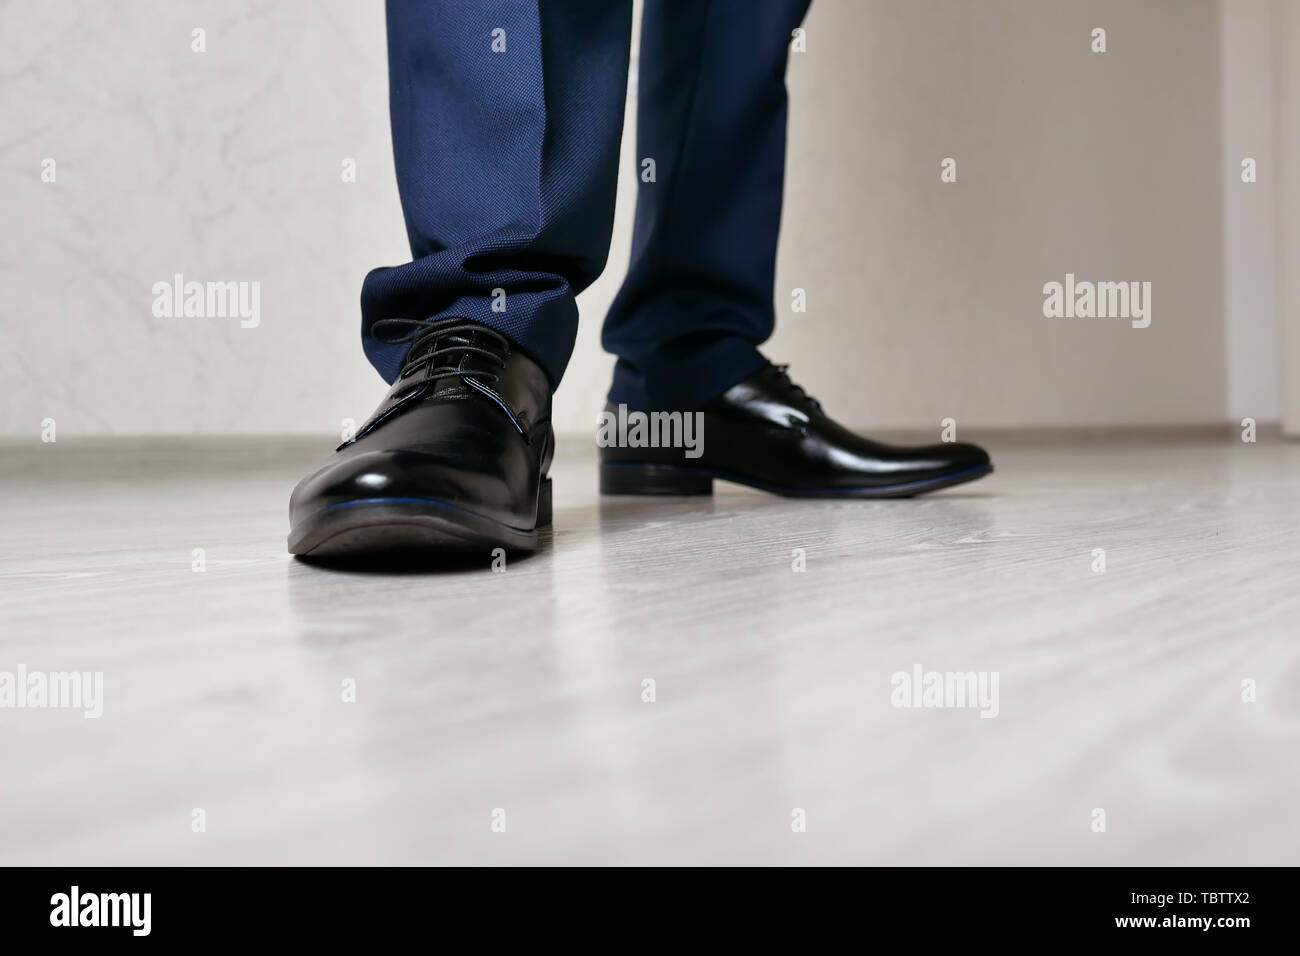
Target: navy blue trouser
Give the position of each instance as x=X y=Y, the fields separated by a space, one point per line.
x=506 y=122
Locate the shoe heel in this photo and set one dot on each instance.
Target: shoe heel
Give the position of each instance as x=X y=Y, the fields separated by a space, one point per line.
x=544 y=504
x=653 y=480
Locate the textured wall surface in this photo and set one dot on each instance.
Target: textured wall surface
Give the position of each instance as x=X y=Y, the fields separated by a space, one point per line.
x=924 y=298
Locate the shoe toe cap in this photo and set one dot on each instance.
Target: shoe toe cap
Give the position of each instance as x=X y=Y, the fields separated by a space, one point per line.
x=965 y=455
x=400 y=474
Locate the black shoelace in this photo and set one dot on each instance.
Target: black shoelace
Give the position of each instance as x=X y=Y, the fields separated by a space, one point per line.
x=442 y=340
x=781 y=372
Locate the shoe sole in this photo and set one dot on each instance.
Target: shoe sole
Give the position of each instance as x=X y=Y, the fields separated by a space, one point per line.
x=636 y=478
x=380 y=526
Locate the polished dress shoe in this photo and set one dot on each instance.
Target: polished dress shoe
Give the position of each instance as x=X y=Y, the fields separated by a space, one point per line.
x=766 y=432
x=453 y=460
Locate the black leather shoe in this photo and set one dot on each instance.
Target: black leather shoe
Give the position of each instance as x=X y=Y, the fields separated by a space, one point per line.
x=454 y=459
x=768 y=433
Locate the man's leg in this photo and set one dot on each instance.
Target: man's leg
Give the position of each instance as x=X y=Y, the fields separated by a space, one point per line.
x=698 y=296
x=697 y=299
x=506 y=123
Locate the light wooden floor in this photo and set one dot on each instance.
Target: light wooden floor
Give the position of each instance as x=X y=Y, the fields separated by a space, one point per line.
x=522 y=690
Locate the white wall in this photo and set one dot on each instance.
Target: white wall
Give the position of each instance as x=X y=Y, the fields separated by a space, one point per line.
x=1249 y=210
x=1103 y=165
x=924 y=299
x=1286 y=63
